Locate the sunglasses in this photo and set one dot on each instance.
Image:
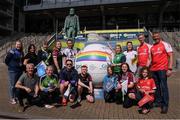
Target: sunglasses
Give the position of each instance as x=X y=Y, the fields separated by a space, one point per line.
x=69 y=64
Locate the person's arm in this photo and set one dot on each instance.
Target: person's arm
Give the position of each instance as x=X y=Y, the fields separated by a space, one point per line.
x=36 y=90
x=170 y=60
x=149 y=56
x=82 y=84
x=9 y=57
x=170 y=63
x=131 y=85
x=19 y=85
x=56 y=63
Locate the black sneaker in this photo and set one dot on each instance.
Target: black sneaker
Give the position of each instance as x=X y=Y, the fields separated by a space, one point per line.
x=164 y=110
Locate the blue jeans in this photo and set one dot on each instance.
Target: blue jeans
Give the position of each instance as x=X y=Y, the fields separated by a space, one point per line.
x=161 y=94
x=13 y=78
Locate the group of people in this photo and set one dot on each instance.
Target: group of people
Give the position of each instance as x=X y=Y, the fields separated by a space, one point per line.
x=128 y=78
x=140 y=77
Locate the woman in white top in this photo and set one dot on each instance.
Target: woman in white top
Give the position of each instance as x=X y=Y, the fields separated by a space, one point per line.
x=131 y=57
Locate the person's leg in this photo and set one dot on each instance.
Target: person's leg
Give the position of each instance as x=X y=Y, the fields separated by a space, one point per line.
x=118 y=97
x=128 y=102
x=13 y=77
x=157 y=80
x=21 y=94
x=164 y=90
x=80 y=90
x=106 y=96
x=63 y=88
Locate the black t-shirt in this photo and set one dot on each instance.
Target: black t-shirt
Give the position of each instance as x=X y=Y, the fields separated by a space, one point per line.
x=32 y=58
x=85 y=79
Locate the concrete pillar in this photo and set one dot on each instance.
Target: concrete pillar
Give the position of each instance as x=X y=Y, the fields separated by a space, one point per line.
x=21 y=27
x=103 y=17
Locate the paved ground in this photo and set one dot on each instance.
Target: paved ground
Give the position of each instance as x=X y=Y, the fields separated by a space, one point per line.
x=98 y=110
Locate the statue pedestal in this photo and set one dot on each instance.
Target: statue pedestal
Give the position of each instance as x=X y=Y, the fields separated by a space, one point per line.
x=98 y=94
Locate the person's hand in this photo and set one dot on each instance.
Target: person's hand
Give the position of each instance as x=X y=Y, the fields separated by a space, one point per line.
x=35 y=95
x=28 y=90
x=169 y=73
x=119 y=86
x=146 y=92
x=141 y=90
x=58 y=70
x=113 y=65
x=51 y=90
x=90 y=90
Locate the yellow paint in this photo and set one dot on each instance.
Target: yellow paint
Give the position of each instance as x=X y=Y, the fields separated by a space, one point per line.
x=113 y=31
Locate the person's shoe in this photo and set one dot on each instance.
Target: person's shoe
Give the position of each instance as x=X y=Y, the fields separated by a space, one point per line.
x=49 y=106
x=79 y=99
x=164 y=110
x=13 y=101
x=20 y=108
x=64 y=102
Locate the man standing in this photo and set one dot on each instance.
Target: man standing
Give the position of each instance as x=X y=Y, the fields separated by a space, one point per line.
x=161 y=67
x=27 y=86
x=69 y=52
x=14 y=62
x=143 y=53
x=71 y=25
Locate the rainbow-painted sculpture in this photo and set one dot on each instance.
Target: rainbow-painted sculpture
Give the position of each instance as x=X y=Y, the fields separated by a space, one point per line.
x=96 y=57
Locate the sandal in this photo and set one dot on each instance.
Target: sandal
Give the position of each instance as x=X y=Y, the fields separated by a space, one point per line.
x=145 y=111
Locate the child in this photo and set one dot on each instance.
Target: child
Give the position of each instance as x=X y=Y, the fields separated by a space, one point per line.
x=145 y=87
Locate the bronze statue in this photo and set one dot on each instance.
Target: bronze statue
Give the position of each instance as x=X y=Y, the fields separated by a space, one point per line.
x=71 y=25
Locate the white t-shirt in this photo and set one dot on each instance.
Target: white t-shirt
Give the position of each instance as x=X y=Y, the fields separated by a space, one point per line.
x=129 y=59
x=70 y=54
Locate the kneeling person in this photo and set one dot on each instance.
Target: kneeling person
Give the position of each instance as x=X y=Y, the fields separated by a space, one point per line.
x=27 y=87
x=48 y=87
x=85 y=86
x=68 y=82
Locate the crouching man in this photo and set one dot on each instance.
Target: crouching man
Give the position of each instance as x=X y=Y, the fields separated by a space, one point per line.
x=48 y=88
x=27 y=87
x=85 y=86
x=68 y=82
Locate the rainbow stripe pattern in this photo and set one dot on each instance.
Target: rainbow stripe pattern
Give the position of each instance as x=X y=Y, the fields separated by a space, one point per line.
x=92 y=56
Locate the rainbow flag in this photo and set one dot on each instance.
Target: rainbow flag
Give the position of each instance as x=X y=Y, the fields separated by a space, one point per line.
x=92 y=56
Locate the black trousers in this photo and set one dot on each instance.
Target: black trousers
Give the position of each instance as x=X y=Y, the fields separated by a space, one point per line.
x=128 y=102
x=49 y=97
x=139 y=96
x=22 y=94
x=109 y=96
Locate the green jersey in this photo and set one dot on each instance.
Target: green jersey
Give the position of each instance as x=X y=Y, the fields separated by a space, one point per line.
x=118 y=58
x=49 y=82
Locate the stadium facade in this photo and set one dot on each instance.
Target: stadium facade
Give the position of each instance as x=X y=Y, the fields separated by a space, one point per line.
x=48 y=15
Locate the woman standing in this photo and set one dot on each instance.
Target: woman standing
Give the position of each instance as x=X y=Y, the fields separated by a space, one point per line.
x=118 y=59
x=31 y=56
x=14 y=62
x=131 y=57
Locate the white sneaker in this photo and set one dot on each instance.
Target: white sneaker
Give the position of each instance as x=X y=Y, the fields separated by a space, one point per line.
x=49 y=106
x=79 y=99
x=13 y=101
